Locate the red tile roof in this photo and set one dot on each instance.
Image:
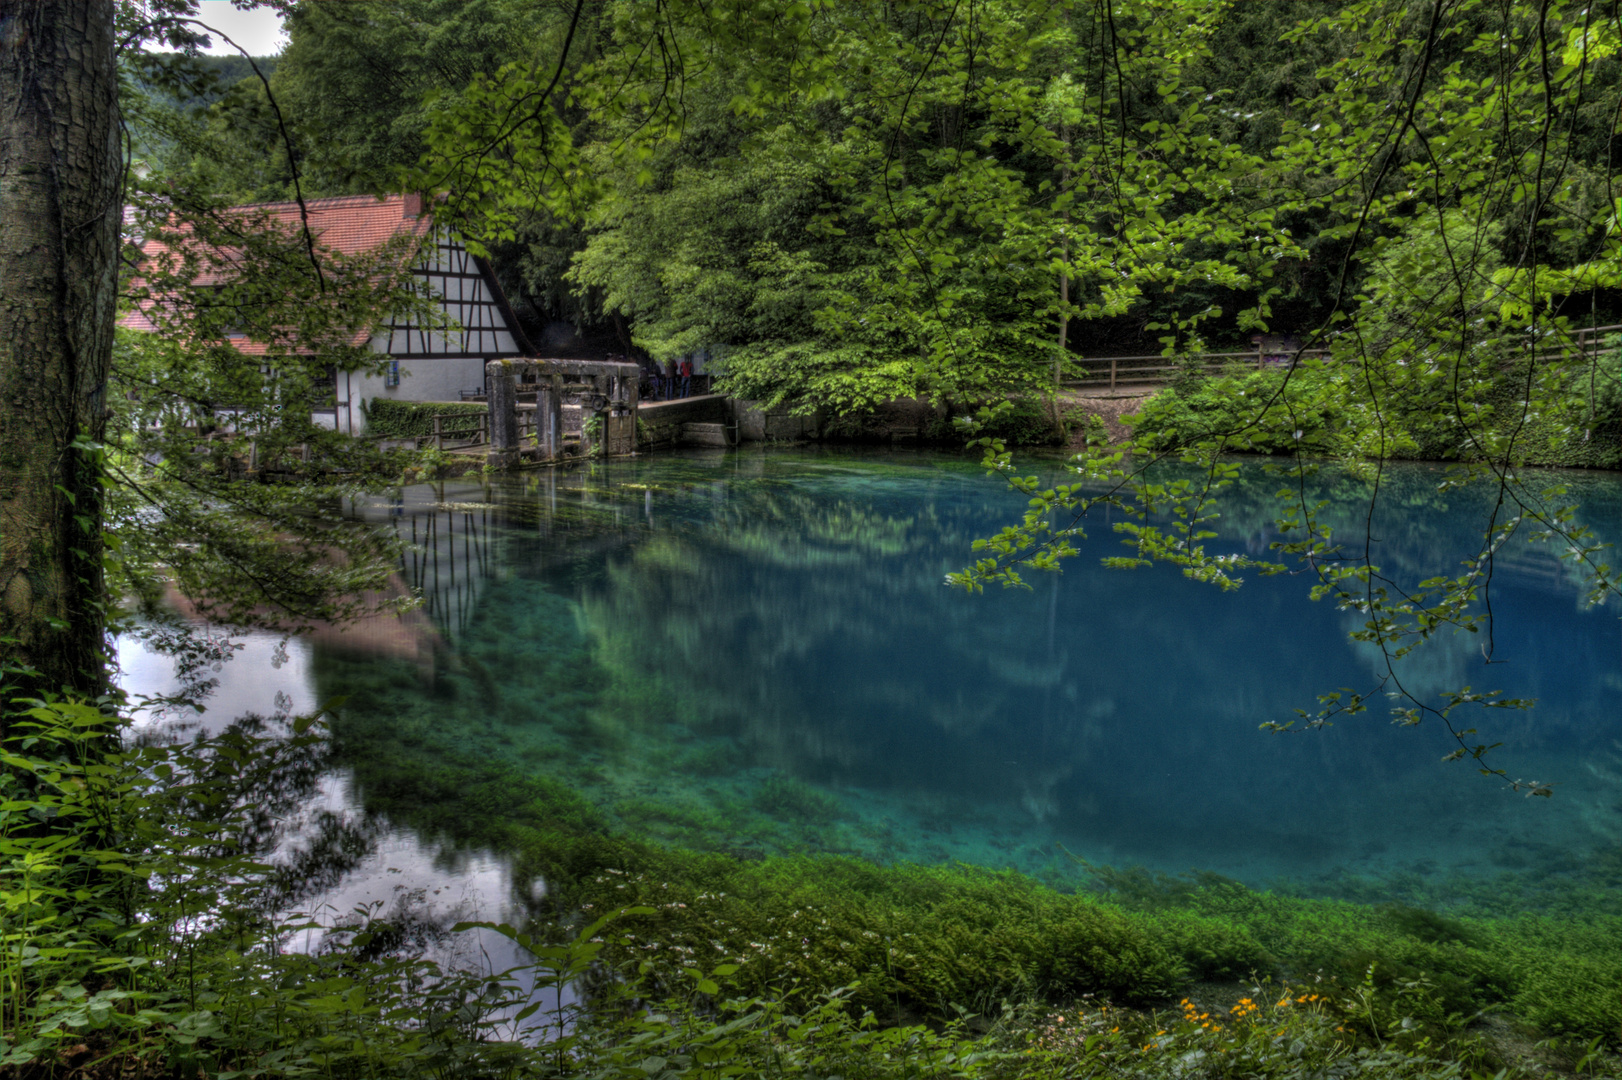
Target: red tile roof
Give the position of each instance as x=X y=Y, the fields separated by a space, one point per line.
x=349 y=224
x=354 y=223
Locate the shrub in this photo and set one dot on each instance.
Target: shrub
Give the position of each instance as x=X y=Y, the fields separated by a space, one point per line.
x=1325 y=410
x=407 y=419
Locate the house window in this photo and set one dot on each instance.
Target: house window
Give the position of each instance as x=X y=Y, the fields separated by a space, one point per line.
x=391 y=374
x=324 y=390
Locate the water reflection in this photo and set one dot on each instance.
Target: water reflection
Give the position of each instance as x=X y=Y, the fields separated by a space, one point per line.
x=754 y=653
x=330 y=857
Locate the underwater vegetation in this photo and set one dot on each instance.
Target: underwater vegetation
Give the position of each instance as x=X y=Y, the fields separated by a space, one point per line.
x=922 y=941
x=626 y=719
x=785 y=797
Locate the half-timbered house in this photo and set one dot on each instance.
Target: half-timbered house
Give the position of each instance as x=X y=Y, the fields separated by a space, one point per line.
x=424 y=364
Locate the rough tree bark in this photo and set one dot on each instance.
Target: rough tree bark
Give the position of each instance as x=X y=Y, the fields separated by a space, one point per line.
x=59 y=223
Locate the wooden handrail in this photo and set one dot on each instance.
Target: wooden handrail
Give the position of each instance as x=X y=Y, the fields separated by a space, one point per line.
x=1585 y=342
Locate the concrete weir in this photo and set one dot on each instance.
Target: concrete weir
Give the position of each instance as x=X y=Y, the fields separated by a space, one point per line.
x=717 y=420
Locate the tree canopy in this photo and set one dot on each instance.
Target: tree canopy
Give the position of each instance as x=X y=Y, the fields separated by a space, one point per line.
x=854 y=201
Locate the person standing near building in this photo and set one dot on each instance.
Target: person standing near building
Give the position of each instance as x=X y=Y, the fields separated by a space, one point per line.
x=686 y=377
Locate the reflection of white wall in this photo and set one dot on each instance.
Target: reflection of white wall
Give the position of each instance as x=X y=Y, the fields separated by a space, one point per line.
x=447 y=531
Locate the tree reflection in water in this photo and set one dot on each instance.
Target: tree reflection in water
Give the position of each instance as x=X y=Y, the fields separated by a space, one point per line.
x=754 y=653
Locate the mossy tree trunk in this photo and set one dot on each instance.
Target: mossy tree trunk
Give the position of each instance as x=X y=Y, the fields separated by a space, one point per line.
x=59 y=224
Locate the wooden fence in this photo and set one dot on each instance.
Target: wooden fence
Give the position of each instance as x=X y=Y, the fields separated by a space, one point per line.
x=473 y=430
x=1145 y=372
x=1141 y=373
x=470 y=430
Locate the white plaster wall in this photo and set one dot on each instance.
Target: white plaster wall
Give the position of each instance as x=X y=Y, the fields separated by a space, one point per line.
x=489 y=331
x=420 y=380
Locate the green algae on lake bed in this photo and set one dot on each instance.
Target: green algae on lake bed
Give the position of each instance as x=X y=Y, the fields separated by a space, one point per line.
x=754 y=653
x=740 y=674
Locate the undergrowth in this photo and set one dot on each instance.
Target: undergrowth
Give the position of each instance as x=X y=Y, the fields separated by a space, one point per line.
x=1325 y=409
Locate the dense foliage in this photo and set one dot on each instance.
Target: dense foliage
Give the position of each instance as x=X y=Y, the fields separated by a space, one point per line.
x=866 y=201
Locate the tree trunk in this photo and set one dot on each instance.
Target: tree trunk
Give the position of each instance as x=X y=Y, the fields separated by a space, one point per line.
x=60 y=209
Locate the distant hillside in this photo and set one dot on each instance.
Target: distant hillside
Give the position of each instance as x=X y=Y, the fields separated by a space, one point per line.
x=203 y=80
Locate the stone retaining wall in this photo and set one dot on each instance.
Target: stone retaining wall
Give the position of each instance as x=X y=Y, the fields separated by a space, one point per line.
x=659 y=422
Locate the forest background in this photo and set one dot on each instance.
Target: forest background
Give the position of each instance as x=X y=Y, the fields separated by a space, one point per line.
x=824 y=215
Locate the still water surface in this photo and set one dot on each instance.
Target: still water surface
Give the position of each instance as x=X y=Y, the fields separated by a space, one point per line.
x=755 y=652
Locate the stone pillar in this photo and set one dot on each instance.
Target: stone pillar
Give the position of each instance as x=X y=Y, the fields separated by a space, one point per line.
x=503 y=391
x=557 y=416
x=632 y=394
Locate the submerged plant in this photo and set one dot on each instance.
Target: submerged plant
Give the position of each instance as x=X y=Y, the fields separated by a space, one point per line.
x=792 y=799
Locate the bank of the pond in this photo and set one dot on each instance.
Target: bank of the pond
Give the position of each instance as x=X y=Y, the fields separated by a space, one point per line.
x=755 y=968
x=1324 y=414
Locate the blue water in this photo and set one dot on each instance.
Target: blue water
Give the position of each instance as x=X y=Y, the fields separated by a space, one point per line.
x=755 y=652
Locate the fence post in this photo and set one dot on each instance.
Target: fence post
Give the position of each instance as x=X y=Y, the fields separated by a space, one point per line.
x=1112 y=373
x=439 y=432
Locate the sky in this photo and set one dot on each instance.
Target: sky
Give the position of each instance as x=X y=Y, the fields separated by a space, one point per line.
x=259 y=31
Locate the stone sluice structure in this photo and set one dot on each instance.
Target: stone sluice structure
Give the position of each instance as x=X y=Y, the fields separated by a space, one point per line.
x=527 y=398
x=605 y=391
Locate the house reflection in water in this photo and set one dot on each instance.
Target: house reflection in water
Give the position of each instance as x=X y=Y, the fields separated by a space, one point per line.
x=446 y=534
